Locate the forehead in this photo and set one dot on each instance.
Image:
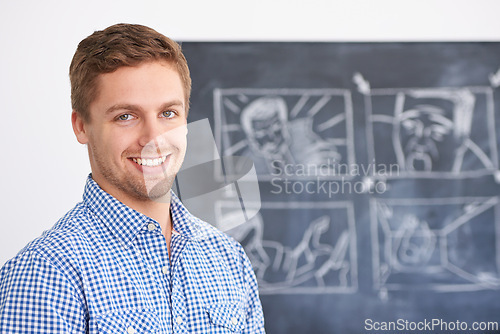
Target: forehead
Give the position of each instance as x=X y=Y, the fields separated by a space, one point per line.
x=266 y=122
x=428 y=113
x=146 y=81
x=149 y=69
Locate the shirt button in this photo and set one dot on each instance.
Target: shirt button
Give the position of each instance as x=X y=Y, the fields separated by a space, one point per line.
x=164 y=270
x=131 y=330
x=151 y=227
x=178 y=320
x=234 y=321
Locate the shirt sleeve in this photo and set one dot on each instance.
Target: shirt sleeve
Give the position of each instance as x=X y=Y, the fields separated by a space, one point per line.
x=255 y=315
x=36 y=297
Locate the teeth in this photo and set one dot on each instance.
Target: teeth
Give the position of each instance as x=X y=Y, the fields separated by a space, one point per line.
x=149 y=162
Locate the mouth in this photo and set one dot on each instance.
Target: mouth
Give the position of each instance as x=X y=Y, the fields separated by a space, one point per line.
x=418 y=161
x=149 y=162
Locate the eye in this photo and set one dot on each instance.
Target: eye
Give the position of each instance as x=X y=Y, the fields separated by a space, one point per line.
x=168 y=114
x=276 y=127
x=437 y=136
x=438 y=132
x=124 y=117
x=259 y=133
x=409 y=125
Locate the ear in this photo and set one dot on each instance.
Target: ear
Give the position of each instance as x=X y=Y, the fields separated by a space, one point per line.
x=79 y=127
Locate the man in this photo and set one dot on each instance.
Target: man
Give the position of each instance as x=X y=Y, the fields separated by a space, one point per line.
x=130 y=258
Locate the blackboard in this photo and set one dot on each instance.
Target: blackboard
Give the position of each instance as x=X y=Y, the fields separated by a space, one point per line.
x=378 y=175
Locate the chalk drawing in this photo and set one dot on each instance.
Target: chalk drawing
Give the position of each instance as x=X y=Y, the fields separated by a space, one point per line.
x=301 y=132
x=320 y=259
x=441 y=244
x=433 y=132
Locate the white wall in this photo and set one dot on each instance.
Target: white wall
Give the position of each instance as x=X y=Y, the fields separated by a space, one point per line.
x=44 y=168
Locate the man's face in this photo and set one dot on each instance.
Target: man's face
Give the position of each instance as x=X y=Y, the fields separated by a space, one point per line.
x=427 y=137
x=137 y=131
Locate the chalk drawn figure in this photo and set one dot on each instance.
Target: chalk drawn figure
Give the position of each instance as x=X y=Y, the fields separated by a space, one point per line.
x=321 y=259
x=414 y=242
x=300 y=131
x=444 y=244
x=434 y=132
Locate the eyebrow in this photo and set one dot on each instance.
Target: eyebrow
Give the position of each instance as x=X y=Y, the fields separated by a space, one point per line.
x=132 y=107
x=442 y=120
x=435 y=115
x=418 y=109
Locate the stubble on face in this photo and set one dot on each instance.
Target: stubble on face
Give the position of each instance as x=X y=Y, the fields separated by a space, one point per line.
x=132 y=186
x=150 y=187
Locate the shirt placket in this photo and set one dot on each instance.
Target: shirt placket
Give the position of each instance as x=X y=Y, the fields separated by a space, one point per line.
x=155 y=249
x=179 y=312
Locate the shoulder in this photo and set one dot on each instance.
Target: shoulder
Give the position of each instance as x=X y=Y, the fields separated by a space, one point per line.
x=73 y=228
x=59 y=247
x=220 y=242
x=47 y=264
x=44 y=272
x=211 y=232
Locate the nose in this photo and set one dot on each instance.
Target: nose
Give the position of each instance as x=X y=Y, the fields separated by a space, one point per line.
x=269 y=136
x=419 y=130
x=150 y=132
x=422 y=133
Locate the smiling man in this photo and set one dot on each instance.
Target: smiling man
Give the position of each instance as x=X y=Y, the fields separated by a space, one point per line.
x=130 y=258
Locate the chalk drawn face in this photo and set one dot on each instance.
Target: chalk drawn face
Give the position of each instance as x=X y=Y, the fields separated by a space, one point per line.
x=268 y=135
x=264 y=122
x=426 y=137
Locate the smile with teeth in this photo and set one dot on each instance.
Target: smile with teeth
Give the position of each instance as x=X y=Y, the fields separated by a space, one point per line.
x=149 y=162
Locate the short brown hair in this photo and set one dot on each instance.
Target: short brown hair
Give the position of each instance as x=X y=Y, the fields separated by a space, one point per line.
x=120 y=45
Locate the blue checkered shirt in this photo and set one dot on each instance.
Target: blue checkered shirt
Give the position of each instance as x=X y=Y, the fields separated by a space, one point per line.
x=104 y=268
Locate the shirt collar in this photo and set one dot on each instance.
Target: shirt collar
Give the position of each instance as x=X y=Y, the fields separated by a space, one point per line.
x=125 y=223
x=183 y=221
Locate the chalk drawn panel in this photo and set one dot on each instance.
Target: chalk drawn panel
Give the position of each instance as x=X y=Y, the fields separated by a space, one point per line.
x=320 y=259
x=447 y=244
x=433 y=132
x=286 y=129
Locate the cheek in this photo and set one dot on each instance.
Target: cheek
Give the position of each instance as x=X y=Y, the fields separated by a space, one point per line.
x=181 y=144
x=176 y=137
x=404 y=136
x=96 y=142
x=114 y=144
x=448 y=143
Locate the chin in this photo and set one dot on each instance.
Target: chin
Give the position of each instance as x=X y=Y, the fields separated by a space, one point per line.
x=160 y=189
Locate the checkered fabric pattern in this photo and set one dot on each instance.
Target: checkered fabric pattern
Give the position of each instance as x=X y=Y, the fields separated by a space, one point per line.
x=104 y=268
